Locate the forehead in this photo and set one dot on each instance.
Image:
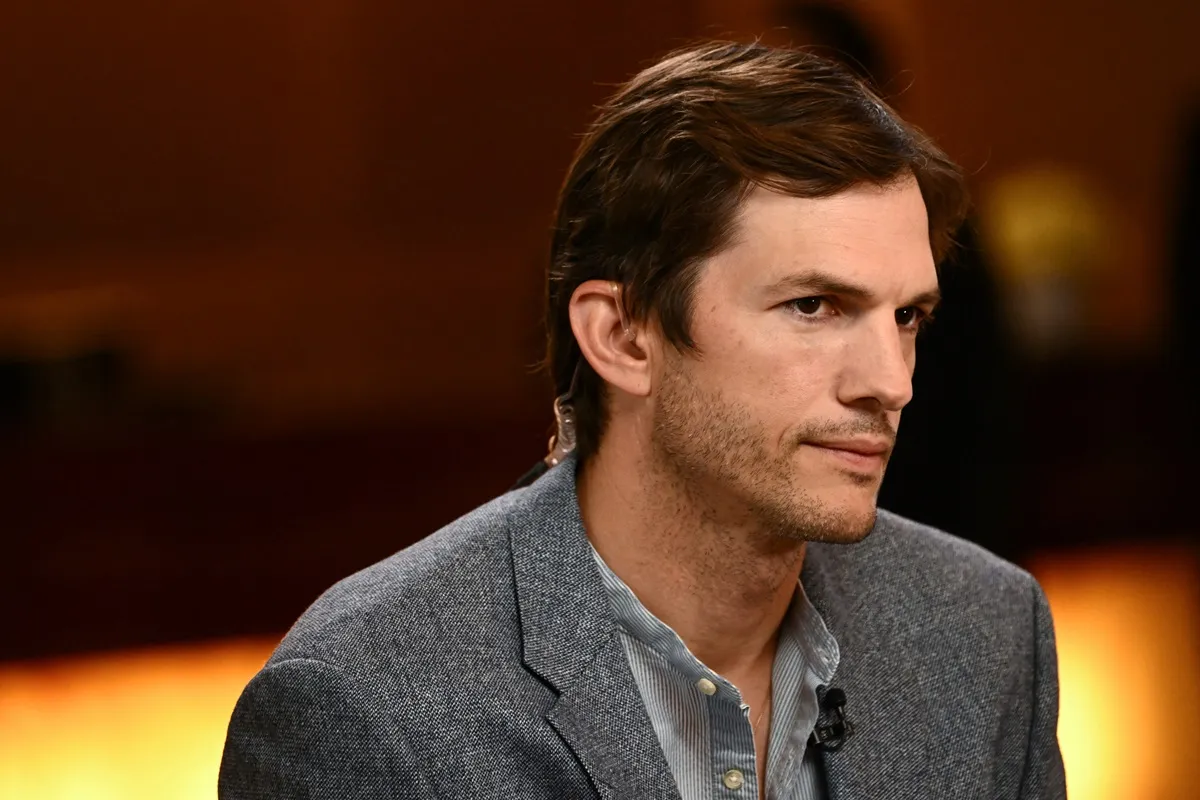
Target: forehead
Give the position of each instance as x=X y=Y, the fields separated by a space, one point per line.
x=875 y=236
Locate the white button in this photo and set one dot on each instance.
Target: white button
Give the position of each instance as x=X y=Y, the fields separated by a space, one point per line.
x=706 y=686
x=733 y=779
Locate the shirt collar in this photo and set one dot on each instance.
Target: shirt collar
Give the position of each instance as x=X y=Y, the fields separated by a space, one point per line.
x=803 y=631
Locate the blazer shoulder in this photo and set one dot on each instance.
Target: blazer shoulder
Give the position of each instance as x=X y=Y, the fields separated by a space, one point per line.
x=457 y=578
x=918 y=550
x=929 y=578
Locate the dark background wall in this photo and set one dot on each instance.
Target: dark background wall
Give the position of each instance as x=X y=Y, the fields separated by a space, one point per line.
x=270 y=276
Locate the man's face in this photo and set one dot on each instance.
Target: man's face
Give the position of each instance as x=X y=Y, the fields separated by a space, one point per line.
x=805 y=328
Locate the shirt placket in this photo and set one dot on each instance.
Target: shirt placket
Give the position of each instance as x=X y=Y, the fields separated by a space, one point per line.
x=731 y=732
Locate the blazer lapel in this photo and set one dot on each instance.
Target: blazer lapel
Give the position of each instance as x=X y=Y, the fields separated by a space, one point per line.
x=889 y=747
x=603 y=720
x=570 y=641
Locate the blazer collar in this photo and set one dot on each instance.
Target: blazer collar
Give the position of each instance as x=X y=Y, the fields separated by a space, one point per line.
x=849 y=586
x=569 y=639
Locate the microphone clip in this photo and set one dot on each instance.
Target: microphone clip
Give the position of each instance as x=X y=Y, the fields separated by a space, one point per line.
x=832 y=728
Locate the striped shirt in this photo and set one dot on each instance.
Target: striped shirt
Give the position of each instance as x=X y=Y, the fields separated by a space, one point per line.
x=704 y=727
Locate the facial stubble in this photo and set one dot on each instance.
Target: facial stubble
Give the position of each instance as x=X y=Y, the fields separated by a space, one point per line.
x=719 y=457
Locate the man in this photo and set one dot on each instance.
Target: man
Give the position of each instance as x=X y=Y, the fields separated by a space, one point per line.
x=952 y=464
x=699 y=599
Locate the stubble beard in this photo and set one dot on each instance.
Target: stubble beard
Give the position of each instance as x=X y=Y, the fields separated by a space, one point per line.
x=718 y=458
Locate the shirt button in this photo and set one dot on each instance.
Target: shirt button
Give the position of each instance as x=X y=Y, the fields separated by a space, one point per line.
x=733 y=779
x=706 y=686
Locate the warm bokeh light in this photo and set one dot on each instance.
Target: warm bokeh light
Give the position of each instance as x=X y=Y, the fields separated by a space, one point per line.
x=151 y=724
x=137 y=726
x=1128 y=628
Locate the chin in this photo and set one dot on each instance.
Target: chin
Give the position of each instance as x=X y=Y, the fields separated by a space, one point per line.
x=856 y=527
x=843 y=516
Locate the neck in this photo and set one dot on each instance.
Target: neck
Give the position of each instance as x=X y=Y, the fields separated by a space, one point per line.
x=712 y=574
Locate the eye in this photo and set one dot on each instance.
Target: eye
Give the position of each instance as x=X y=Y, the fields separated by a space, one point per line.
x=912 y=318
x=808 y=306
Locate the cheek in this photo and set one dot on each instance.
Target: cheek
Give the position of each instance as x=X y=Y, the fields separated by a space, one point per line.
x=766 y=367
x=779 y=378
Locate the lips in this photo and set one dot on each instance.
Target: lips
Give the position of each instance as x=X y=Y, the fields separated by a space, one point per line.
x=865 y=455
x=864 y=447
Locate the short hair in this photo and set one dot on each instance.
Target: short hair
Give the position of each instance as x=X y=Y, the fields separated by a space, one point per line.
x=658 y=180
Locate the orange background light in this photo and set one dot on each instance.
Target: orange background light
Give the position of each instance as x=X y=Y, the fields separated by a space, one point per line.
x=139 y=726
x=151 y=724
x=1128 y=627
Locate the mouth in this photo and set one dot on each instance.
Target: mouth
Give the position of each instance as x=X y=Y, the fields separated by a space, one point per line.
x=859 y=455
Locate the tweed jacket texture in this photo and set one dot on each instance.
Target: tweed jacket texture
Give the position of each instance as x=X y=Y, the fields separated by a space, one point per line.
x=484 y=662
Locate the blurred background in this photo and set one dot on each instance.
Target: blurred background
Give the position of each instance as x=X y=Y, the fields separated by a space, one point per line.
x=270 y=283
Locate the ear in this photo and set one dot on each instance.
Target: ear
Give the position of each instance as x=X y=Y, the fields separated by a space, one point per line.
x=616 y=350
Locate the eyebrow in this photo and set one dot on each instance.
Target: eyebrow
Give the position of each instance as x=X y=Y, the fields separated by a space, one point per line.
x=817 y=282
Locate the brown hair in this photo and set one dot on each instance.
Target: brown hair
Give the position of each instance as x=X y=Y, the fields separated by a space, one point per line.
x=657 y=182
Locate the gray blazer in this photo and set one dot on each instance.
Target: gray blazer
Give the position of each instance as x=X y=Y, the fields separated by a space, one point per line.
x=482 y=662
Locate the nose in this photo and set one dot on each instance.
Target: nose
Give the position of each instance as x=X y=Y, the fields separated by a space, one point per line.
x=878 y=367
